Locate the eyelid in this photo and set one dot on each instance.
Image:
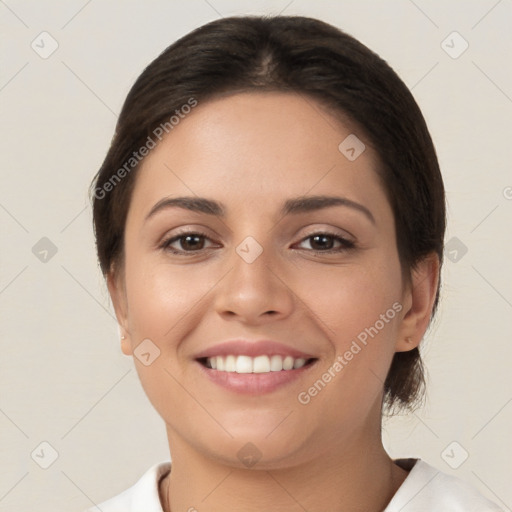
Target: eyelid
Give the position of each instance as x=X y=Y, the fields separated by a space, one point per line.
x=342 y=233
x=187 y=230
x=168 y=240
x=346 y=243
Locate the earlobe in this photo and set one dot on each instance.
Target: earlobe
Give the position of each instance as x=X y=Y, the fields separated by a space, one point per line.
x=118 y=298
x=420 y=298
x=126 y=346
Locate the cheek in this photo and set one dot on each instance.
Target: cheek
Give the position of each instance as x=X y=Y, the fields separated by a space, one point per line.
x=160 y=296
x=160 y=300
x=348 y=300
x=360 y=310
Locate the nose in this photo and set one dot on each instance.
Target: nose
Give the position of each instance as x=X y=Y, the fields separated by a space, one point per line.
x=254 y=292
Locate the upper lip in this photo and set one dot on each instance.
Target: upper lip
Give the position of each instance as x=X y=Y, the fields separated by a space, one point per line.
x=254 y=348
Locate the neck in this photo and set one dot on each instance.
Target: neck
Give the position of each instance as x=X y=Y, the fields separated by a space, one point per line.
x=355 y=476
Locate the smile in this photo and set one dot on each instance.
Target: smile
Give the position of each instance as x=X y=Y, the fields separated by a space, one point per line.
x=254 y=375
x=260 y=364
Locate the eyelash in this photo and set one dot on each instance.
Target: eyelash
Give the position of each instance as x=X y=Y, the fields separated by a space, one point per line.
x=346 y=244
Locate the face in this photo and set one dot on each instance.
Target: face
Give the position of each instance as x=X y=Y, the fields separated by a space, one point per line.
x=322 y=279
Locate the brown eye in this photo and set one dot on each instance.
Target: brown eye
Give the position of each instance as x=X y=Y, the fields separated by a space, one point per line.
x=324 y=242
x=186 y=242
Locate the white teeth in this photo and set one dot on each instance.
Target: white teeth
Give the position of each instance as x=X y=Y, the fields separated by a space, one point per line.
x=276 y=363
x=259 y=364
x=288 y=363
x=243 y=364
x=230 y=364
x=299 y=363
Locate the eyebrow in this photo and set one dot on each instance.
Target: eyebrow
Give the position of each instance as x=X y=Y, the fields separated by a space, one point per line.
x=296 y=205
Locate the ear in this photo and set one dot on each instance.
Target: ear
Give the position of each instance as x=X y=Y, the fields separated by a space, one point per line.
x=418 y=301
x=119 y=301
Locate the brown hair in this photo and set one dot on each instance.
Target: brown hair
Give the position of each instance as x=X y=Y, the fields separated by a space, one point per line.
x=314 y=59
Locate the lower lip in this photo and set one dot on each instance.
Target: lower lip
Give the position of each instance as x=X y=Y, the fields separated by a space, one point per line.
x=254 y=383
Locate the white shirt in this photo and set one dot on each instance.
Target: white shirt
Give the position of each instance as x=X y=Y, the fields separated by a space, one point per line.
x=425 y=489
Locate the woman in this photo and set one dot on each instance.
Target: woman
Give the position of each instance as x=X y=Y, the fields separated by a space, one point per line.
x=270 y=221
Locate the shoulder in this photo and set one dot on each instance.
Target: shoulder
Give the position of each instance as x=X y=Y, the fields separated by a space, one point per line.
x=427 y=488
x=143 y=495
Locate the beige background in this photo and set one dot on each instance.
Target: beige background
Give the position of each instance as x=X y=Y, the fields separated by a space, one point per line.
x=63 y=378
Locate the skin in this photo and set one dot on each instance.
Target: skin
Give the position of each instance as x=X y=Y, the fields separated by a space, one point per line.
x=251 y=152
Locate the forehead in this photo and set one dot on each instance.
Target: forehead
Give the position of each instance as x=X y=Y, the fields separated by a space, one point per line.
x=258 y=148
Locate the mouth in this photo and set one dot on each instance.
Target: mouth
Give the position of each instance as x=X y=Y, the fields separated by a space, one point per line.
x=259 y=364
x=254 y=367
x=254 y=376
